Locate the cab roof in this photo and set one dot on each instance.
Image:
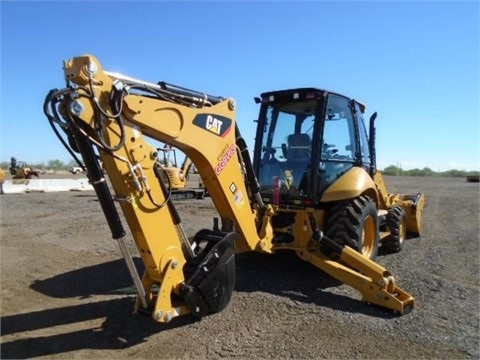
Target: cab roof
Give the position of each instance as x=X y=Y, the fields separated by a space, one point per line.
x=306 y=93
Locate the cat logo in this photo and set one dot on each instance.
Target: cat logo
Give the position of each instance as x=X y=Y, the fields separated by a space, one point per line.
x=213 y=124
x=219 y=125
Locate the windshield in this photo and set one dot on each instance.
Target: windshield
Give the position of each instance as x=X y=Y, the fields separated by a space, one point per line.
x=286 y=146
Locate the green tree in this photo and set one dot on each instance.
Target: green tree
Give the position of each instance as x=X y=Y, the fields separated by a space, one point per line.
x=454 y=173
x=426 y=171
x=56 y=165
x=392 y=170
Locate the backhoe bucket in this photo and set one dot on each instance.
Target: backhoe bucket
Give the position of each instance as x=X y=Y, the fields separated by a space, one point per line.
x=211 y=275
x=413 y=206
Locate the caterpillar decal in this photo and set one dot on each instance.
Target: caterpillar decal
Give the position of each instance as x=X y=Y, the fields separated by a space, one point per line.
x=218 y=125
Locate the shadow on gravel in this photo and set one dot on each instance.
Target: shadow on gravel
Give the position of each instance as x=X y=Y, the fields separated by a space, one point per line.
x=121 y=329
x=282 y=274
x=109 y=278
x=285 y=274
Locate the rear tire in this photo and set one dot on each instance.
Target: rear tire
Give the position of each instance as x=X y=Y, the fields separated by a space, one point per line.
x=398 y=229
x=355 y=223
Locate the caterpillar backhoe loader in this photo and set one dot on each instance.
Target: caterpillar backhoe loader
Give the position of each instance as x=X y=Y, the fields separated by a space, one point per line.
x=20 y=170
x=177 y=177
x=307 y=189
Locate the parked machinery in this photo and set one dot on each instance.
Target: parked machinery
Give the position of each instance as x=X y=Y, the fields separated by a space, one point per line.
x=177 y=176
x=20 y=170
x=312 y=188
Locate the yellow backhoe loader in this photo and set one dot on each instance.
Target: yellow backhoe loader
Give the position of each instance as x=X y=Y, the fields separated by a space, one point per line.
x=312 y=187
x=2 y=180
x=20 y=170
x=177 y=177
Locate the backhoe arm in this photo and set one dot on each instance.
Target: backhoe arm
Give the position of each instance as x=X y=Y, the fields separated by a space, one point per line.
x=115 y=116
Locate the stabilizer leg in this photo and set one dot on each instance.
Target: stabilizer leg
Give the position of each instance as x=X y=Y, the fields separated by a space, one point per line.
x=376 y=284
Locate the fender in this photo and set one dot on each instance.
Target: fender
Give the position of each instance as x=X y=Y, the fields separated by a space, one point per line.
x=353 y=183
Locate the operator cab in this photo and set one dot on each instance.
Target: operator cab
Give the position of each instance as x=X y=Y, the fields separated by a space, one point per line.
x=306 y=139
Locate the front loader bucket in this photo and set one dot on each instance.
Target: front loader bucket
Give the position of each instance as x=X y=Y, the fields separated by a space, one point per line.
x=413 y=206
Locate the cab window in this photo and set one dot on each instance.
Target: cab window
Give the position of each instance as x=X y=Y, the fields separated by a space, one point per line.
x=366 y=160
x=339 y=131
x=338 y=148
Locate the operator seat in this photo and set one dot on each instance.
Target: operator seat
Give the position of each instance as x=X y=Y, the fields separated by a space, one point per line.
x=299 y=147
x=298 y=156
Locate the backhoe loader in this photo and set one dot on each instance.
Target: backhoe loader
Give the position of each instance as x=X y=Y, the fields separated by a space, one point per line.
x=177 y=177
x=20 y=170
x=312 y=187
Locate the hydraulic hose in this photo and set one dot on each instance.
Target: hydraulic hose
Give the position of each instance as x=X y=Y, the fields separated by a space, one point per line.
x=252 y=181
x=54 y=118
x=175 y=216
x=190 y=93
x=99 y=183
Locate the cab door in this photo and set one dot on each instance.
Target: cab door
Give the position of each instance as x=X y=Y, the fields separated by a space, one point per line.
x=340 y=146
x=364 y=154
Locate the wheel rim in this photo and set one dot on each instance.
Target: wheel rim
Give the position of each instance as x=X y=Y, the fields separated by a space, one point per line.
x=368 y=236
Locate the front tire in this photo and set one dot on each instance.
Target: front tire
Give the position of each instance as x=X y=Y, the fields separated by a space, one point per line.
x=355 y=224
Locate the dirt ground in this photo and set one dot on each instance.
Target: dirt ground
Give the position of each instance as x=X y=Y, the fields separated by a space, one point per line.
x=66 y=293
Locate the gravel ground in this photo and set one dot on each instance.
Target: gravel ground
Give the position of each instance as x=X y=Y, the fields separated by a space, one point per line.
x=66 y=293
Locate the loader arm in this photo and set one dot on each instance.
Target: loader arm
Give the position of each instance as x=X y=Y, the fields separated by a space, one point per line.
x=115 y=117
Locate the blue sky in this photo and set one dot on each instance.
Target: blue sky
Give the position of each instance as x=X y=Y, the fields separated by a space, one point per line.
x=414 y=62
